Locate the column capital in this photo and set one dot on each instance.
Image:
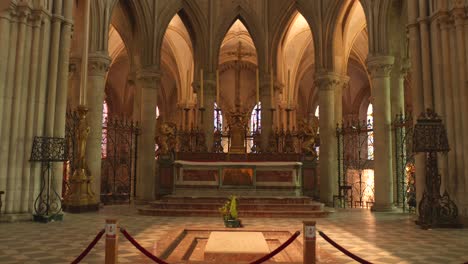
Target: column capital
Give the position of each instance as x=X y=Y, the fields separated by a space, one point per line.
x=149 y=77
x=459 y=16
x=444 y=20
x=380 y=66
x=405 y=66
x=327 y=81
x=98 y=64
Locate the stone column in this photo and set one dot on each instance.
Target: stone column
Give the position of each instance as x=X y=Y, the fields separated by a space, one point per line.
x=4 y=50
x=398 y=76
x=53 y=69
x=459 y=16
x=380 y=68
x=5 y=39
x=417 y=91
x=398 y=107
x=97 y=69
x=62 y=84
x=327 y=83
x=425 y=54
x=26 y=199
x=148 y=81
x=12 y=196
x=209 y=89
x=339 y=100
x=267 y=118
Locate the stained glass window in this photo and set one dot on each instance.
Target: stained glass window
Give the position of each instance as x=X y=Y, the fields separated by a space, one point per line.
x=256 y=118
x=218 y=118
x=105 y=115
x=370 y=133
x=317 y=113
x=156 y=147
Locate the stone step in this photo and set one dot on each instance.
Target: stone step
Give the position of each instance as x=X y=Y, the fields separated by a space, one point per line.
x=215 y=213
x=241 y=206
x=241 y=200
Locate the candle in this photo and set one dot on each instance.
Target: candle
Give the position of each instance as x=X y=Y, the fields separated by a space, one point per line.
x=289 y=89
x=217 y=87
x=201 y=88
x=84 y=59
x=187 y=97
x=272 y=93
x=257 y=88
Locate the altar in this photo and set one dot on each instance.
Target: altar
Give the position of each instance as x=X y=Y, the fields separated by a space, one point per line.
x=283 y=176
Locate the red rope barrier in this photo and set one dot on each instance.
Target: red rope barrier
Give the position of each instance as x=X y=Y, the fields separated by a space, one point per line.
x=90 y=246
x=342 y=249
x=142 y=249
x=277 y=250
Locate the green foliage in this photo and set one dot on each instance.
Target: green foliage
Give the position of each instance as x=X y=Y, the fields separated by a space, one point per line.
x=229 y=209
x=233 y=209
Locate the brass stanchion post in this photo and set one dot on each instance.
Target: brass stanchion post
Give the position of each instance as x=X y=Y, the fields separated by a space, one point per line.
x=111 y=241
x=310 y=242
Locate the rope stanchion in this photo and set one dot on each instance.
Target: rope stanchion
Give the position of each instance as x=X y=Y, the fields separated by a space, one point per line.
x=142 y=249
x=342 y=249
x=90 y=246
x=277 y=250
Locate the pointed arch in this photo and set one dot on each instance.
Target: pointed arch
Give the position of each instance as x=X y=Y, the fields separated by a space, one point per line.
x=282 y=28
x=194 y=21
x=250 y=23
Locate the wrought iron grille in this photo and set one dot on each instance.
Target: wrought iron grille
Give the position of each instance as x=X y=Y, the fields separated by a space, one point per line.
x=355 y=164
x=404 y=162
x=118 y=163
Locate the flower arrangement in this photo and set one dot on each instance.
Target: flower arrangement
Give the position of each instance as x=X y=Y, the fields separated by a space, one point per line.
x=229 y=212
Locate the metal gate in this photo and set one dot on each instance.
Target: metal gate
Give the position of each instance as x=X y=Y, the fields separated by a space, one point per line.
x=355 y=163
x=404 y=162
x=118 y=161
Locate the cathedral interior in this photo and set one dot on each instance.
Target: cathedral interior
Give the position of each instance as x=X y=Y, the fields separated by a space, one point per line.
x=154 y=113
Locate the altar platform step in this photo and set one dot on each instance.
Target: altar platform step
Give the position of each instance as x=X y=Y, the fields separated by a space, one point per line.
x=282 y=207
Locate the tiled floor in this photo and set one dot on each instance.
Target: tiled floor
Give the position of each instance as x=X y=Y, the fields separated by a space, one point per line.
x=376 y=237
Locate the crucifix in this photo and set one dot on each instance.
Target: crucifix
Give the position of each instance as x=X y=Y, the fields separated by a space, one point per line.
x=240 y=55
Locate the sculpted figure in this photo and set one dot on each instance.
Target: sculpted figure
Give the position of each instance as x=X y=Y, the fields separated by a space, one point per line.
x=309 y=133
x=165 y=138
x=82 y=138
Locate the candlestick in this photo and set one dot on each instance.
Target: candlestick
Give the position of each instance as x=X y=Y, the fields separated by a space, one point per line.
x=217 y=87
x=289 y=89
x=272 y=92
x=257 y=94
x=201 y=88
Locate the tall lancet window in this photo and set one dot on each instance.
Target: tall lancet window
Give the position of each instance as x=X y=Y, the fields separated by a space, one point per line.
x=370 y=133
x=105 y=116
x=255 y=124
x=156 y=147
x=218 y=118
x=256 y=118
x=317 y=113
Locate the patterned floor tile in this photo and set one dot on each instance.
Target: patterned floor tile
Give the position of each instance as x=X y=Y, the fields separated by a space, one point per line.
x=377 y=237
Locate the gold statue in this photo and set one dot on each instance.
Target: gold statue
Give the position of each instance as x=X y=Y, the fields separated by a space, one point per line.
x=165 y=138
x=237 y=124
x=82 y=133
x=308 y=131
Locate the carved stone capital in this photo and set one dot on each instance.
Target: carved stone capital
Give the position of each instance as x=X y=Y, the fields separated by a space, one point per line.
x=23 y=12
x=36 y=18
x=444 y=20
x=98 y=64
x=380 y=66
x=405 y=66
x=459 y=17
x=149 y=77
x=330 y=81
